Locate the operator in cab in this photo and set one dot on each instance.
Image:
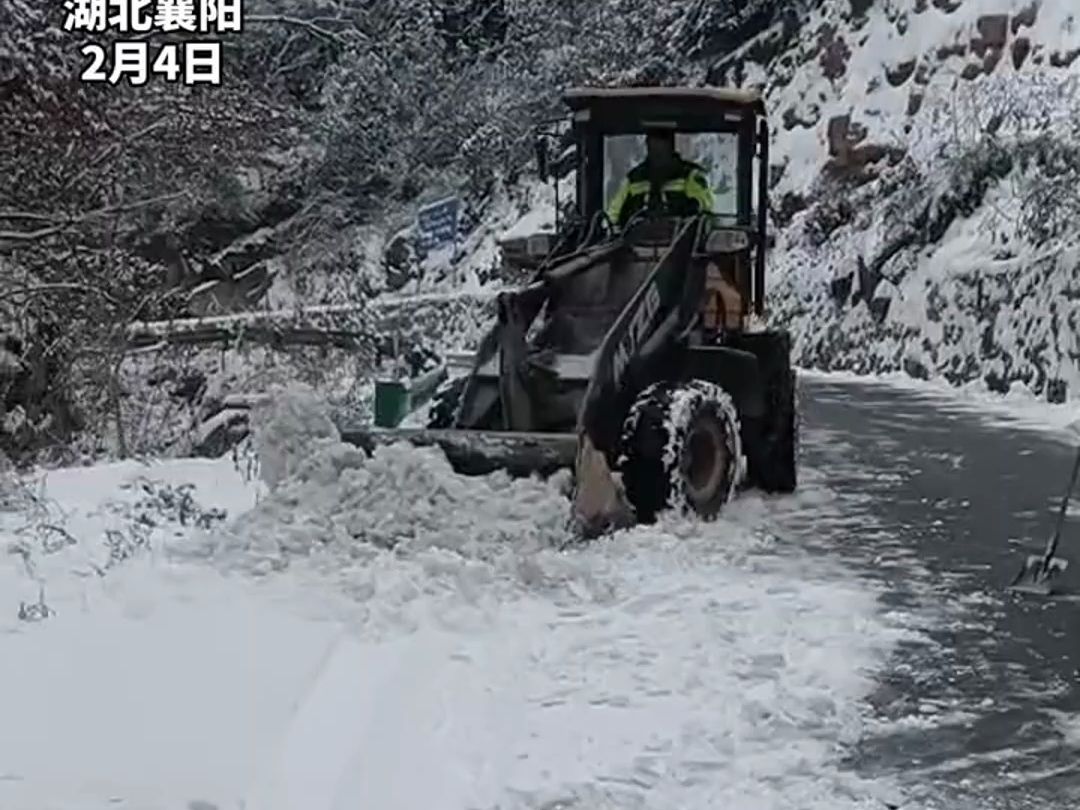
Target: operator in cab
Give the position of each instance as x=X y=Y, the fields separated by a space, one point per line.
x=664 y=182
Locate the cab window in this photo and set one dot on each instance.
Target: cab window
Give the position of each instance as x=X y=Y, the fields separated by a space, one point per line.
x=716 y=152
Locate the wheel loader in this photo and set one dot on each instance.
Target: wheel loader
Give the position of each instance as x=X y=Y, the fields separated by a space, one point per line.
x=637 y=355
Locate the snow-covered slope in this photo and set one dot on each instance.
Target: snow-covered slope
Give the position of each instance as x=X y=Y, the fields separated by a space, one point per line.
x=928 y=182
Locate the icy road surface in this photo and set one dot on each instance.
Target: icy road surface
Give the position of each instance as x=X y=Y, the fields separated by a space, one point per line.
x=943 y=497
x=383 y=634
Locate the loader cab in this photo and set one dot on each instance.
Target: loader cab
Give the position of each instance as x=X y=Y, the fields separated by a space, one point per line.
x=724 y=131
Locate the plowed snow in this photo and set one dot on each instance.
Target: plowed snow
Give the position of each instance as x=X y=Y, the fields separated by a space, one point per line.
x=489 y=663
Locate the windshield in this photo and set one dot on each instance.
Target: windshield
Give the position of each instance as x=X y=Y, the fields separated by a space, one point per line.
x=716 y=152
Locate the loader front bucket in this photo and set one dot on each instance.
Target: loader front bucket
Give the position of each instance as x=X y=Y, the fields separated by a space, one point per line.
x=478 y=452
x=600 y=502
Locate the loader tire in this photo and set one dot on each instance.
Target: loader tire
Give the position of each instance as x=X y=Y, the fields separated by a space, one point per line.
x=776 y=467
x=680 y=449
x=443 y=408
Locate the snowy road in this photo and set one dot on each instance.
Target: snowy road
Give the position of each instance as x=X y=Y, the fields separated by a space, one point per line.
x=847 y=647
x=988 y=715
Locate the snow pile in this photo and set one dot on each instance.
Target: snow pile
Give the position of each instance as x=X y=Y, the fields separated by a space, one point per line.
x=536 y=214
x=336 y=507
x=671 y=666
x=287 y=428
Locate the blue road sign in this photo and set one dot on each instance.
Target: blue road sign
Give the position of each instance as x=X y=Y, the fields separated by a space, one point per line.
x=437 y=224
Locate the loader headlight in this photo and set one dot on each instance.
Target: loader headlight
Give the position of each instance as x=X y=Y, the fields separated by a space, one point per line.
x=727 y=241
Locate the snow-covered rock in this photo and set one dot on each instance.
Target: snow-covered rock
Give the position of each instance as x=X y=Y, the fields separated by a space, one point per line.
x=928 y=169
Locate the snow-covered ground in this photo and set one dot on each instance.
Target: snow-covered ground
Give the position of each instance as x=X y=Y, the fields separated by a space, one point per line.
x=1019 y=408
x=382 y=633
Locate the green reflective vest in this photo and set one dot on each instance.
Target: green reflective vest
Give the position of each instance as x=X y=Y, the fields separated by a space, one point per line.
x=684 y=193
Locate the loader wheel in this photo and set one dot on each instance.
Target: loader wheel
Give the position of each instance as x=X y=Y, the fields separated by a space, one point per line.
x=680 y=449
x=443 y=407
x=776 y=461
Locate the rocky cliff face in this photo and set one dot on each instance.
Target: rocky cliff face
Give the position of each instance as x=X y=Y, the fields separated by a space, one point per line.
x=926 y=189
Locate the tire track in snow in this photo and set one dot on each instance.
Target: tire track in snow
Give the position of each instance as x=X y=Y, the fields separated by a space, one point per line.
x=673 y=698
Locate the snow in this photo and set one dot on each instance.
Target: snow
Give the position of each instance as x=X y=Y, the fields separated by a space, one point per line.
x=880 y=45
x=357 y=624
x=165 y=689
x=539 y=216
x=147 y=683
x=9 y=362
x=1068 y=725
x=380 y=632
x=284 y=316
x=986 y=298
x=1017 y=409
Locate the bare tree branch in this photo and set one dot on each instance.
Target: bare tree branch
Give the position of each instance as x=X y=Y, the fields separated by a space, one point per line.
x=44 y=289
x=68 y=223
x=28 y=236
x=109 y=152
x=29 y=216
x=282 y=19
